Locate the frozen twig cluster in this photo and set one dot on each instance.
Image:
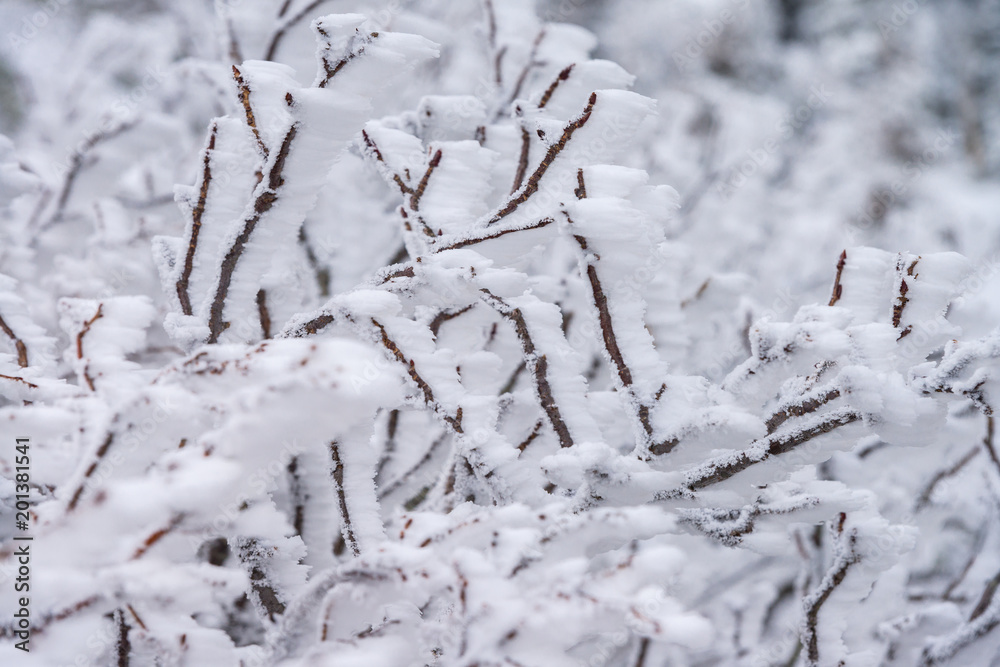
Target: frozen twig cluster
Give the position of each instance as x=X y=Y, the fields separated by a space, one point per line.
x=440 y=452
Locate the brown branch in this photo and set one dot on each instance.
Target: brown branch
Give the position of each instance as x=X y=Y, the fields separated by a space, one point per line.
x=299 y=496
x=834 y=578
x=235 y=52
x=519 y=84
x=978 y=626
x=419 y=192
x=535 y=432
x=123 y=648
x=136 y=617
x=581 y=185
x=473 y=240
x=313 y=326
x=773 y=446
x=322 y=273
x=390 y=345
x=445 y=316
x=244 y=94
x=48 y=619
x=531 y=186
x=522 y=162
x=22 y=350
x=537 y=364
x=76 y=166
x=377 y=154
x=838 y=289
x=988 y=442
x=600 y=301
x=925 y=496
x=333 y=69
x=397 y=483
x=547 y=95
x=640 y=660
x=263 y=314
x=337 y=474
x=157 y=535
x=806 y=406
x=491 y=20
x=262 y=204
x=79 y=345
x=389 y=449
x=98 y=456
x=31 y=385
x=254 y=557
x=986 y=598
x=279 y=34
x=196 y=215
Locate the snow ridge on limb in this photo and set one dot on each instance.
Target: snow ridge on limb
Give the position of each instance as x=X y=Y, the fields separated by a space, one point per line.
x=230 y=275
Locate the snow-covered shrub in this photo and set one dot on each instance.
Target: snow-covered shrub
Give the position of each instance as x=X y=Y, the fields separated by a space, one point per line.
x=478 y=414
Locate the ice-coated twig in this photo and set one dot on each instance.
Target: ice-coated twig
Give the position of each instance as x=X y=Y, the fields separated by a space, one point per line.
x=244 y=93
x=337 y=476
x=536 y=363
x=22 y=349
x=814 y=602
x=725 y=467
x=263 y=202
x=196 y=216
x=531 y=186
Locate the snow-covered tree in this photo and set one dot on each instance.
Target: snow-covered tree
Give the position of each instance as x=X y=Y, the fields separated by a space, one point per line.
x=420 y=365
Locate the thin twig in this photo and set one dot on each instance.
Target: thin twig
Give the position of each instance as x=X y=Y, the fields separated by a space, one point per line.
x=22 y=350
x=765 y=448
x=272 y=48
x=263 y=314
x=536 y=363
x=265 y=199
x=337 y=474
x=196 y=215
x=531 y=186
x=123 y=648
x=834 y=578
x=244 y=91
x=157 y=535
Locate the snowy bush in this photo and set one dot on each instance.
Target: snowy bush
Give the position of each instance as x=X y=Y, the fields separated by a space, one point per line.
x=421 y=367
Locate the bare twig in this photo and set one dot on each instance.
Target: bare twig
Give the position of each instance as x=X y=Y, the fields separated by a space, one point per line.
x=532 y=184
x=76 y=165
x=272 y=47
x=358 y=47
x=299 y=495
x=22 y=350
x=266 y=197
x=98 y=457
x=925 y=495
x=765 y=448
x=337 y=474
x=419 y=192
x=838 y=289
x=244 y=91
x=495 y=234
x=122 y=646
x=263 y=314
x=535 y=363
x=812 y=604
x=157 y=535
x=196 y=215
